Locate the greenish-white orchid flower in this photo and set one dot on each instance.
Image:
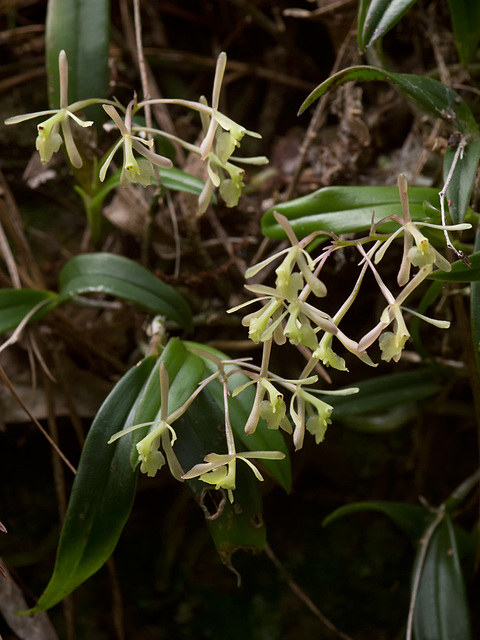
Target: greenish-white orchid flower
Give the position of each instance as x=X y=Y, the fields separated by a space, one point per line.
x=49 y=139
x=273 y=410
x=228 y=140
x=393 y=342
x=220 y=468
x=161 y=433
x=140 y=171
x=319 y=419
x=417 y=250
x=222 y=138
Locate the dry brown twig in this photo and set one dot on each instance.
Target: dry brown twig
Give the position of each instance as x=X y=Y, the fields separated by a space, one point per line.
x=298 y=591
x=319 y=115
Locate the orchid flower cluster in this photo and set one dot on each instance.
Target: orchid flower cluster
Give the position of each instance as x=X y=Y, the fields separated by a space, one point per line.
x=217 y=469
x=287 y=312
x=290 y=310
x=222 y=137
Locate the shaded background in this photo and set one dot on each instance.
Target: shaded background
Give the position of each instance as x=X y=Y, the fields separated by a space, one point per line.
x=168 y=580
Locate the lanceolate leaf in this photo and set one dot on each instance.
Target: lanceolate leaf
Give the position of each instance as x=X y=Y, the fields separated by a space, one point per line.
x=412 y=519
x=173 y=179
x=381 y=16
x=81 y=29
x=462 y=179
x=384 y=392
x=461 y=272
x=475 y=309
x=441 y=606
x=178 y=180
x=102 y=493
x=431 y=95
x=123 y=278
x=16 y=304
x=347 y=210
x=465 y=16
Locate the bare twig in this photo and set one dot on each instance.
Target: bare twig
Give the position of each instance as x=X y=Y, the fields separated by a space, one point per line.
x=117 y=600
x=176 y=235
x=9 y=259
x=241 y=68
x=12 y=221
x=141 y=61
x=6 y=380
x=298 y=591
x=318 y=116
x=443 y=193
x=304 y=13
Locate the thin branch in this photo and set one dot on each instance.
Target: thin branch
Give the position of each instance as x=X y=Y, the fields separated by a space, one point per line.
x=6 y=380
x=443 y=193
x=141 y=60
x=298 y=591
x=318 y=116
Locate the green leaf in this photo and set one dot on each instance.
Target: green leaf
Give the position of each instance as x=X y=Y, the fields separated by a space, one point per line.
x=81 y=28
x=346 y=210
x=475 y=308
x=178 y=180
x=381 y=16
x=200 y=431
x=123 y=278
x=185 y=370
x=431 y=95
x=465 y=16
x=441 y=606
x=362 y=12
x=102 y=493
x=463 y=178
x=173 y=179
x=264 y=439
x=460 y=272
x=385 y=402
x=411 y=519
x=16 y=304
x=232 y=526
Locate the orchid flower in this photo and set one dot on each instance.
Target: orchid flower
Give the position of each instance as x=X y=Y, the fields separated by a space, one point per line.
x=150 y=458
x=49 y=139
x=222 y=137
x=392 y=342
x=220 y=468
x=133 y=170
x=417 y=250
